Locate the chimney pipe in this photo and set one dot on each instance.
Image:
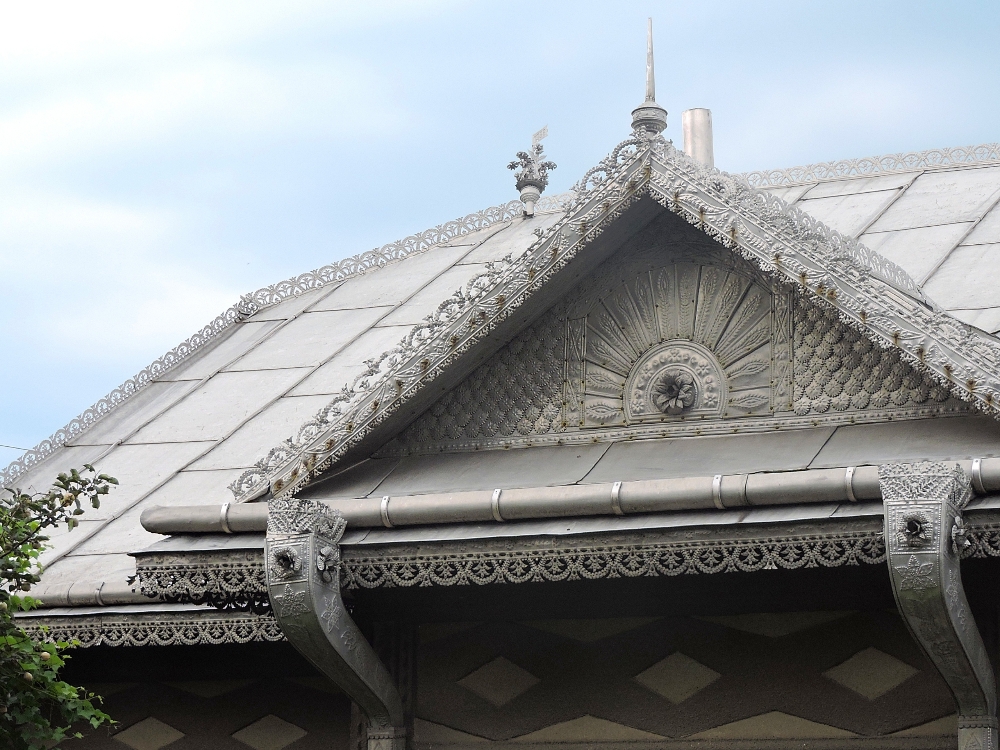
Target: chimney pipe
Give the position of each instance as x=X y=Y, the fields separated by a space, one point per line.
x=697 y=127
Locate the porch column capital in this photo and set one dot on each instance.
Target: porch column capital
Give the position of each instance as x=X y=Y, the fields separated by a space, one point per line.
x=302 y=565
x=925 y=535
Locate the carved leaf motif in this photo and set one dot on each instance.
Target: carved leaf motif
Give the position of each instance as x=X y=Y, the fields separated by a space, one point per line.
x=687 y=288
x=732 y=292
x=753 y=367
x=735 y=348
x=646 y=309
x=749 y=400
x=665 y=303
x=706 y=301
x=603 y=354
x=603 y=412
x=629 y=320
x=604 y=382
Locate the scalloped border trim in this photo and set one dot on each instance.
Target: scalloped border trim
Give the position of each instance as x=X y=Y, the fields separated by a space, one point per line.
x=871 y=166
x=159 y=629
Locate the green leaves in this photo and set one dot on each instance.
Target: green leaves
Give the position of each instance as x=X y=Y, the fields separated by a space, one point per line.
x=36 y=707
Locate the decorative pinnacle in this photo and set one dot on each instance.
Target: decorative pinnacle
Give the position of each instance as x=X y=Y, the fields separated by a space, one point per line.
x=650 y=77
x=649 y=118
x=533 y=176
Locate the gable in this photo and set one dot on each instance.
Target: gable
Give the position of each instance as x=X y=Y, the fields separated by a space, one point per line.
x=865 y=291
x=674 y=335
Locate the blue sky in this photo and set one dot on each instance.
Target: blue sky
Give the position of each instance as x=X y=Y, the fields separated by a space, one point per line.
x=159 y=159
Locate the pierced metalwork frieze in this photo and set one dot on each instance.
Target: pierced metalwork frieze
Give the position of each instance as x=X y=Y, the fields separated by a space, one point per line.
x=262 y=299
x=498 y=563
x=229 y=581
x=157 y=629
x=985 y=153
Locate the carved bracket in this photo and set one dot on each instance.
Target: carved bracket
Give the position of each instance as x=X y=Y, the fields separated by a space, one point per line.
x=302 y=563
x=925 y=536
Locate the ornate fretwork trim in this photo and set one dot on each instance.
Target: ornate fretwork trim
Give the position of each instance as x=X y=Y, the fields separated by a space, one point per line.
x=868 y=292
x=162 y=629
x=230 y=581
x=264 y=298
x=209 y=576
x=938 y=158
x=614 y=561
x=200 y=582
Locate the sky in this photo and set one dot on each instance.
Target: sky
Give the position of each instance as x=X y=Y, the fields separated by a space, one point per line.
x=159 y=159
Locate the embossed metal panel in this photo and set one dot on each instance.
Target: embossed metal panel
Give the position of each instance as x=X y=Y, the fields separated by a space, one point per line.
x=487 y=470
x=935 y=439
x=703 y=456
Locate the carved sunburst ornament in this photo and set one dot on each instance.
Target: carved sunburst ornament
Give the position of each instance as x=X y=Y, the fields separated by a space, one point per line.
x=702 y=330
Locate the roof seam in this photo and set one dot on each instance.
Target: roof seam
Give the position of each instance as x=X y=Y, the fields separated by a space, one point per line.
x=900 y=192
x=934 y=270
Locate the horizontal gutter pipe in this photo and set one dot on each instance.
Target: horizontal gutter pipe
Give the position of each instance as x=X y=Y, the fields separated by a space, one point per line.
x=721 y=492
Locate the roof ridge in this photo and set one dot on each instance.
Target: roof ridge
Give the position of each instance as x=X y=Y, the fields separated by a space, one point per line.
x=868 y=166
x=263 y=298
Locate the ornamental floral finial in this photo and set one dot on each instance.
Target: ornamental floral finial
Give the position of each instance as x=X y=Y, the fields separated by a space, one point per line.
x=533 y=176
x=649 y=118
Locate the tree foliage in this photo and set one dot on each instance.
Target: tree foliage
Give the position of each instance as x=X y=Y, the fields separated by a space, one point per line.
x=36 y=707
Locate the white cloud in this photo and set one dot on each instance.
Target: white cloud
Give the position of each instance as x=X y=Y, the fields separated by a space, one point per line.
x=211 y=99
x=98 y=272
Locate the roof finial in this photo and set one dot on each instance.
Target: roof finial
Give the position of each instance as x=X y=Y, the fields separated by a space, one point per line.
x=650 y=78
x=649 y=117
x=533 y=176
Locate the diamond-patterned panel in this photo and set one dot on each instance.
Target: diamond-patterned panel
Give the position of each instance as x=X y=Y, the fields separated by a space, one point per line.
x=499 y=681
x=590 y=631
x=871 y=673
x=677 y=677
x=210 y=688
x=148 y=734
x=775 y=624
x=269 y=733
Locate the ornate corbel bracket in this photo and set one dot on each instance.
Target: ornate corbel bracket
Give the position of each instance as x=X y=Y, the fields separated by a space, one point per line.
x=924 y=535
x=302 y=564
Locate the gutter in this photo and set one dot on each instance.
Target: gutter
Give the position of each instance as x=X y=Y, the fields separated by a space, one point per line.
x=721 y=492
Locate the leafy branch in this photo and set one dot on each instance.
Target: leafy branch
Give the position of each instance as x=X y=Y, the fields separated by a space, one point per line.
x=36 y=707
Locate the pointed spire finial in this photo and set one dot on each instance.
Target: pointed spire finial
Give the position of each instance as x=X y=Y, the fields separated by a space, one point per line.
x=650 y=78
x=649 y=117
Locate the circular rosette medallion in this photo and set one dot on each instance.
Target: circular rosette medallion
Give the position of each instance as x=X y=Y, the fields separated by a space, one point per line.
x=672 y=380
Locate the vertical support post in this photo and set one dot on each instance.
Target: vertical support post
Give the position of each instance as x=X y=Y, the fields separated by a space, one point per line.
x=925 y=534
x=302 y=565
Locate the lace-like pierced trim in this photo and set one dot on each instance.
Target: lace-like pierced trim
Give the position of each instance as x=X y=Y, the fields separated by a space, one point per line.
x=613 y=562
x=185 y=629
x=871 y=166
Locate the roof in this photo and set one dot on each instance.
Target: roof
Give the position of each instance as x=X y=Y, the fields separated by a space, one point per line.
x=197 y=420
x=935 y=213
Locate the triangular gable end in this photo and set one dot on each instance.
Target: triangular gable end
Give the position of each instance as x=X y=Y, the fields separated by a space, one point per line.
x=866 y=292
x=673 y=336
